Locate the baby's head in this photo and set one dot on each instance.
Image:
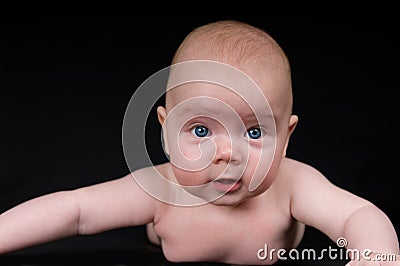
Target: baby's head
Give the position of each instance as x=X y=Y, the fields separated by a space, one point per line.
x=226 y=139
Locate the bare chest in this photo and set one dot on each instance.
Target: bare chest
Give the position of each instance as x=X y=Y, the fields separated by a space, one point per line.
x=207 y=234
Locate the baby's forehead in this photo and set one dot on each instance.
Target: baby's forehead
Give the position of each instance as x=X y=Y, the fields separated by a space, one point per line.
x=214 y=100
x=201 y=91
x=242 y=86
x=206 y=95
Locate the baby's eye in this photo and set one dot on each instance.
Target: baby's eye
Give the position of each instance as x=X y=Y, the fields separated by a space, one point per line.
x=200 y=131
x=254 y=133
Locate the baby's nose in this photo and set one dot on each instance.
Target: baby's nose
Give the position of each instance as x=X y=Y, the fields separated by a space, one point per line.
x=225 y=153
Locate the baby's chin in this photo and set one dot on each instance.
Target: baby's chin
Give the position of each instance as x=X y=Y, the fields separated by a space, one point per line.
x=237 y=198
x=229 y=199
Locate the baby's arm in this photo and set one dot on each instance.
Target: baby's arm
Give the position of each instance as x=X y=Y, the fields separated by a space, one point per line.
x=88 y=210
x=339 y=213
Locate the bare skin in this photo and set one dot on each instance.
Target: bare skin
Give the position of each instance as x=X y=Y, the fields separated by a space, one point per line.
x=250 y=221
x=231 y=228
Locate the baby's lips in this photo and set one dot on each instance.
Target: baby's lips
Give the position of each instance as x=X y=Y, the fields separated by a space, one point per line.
x=227 y=184
x=226 y=180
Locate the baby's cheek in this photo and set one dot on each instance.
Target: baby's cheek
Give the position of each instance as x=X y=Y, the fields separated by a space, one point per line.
x=189 y=150
x=257 y=166
x=251 y=165
x=254 y=158
x=189 y=178
x=191 y=153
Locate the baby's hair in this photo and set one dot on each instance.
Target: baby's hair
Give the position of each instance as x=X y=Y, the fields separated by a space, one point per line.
x=235 y=43
x=231 y=40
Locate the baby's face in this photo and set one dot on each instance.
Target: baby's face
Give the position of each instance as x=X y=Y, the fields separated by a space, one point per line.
x=222 y=146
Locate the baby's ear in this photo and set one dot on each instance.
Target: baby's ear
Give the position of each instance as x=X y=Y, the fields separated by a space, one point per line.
x=292 y=125
x=162 y=115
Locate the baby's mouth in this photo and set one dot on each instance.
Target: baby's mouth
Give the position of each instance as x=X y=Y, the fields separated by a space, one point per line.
x=226 y=181
x=227 y=184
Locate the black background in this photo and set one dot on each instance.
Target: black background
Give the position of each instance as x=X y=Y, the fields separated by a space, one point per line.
x=65 y=82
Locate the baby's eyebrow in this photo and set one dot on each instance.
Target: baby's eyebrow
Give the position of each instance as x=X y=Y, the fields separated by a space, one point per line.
x=204 y=110
x=248 y=116
x=251 y=116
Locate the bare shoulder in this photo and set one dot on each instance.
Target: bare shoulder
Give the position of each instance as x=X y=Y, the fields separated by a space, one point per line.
x=292 y=170
x=315 y=200
x=299 y=179
x=116 y=203
x=152 y=180
x=295 y=176
x=293 y=164
x=150 y=171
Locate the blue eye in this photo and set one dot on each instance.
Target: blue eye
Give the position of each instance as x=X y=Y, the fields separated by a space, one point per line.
x=254 y=133
x=200 y=131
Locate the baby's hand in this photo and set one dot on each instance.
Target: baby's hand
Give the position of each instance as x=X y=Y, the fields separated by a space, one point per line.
x=376 y=259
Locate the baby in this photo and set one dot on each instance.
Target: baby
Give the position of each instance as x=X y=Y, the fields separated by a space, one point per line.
x=228 y=193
